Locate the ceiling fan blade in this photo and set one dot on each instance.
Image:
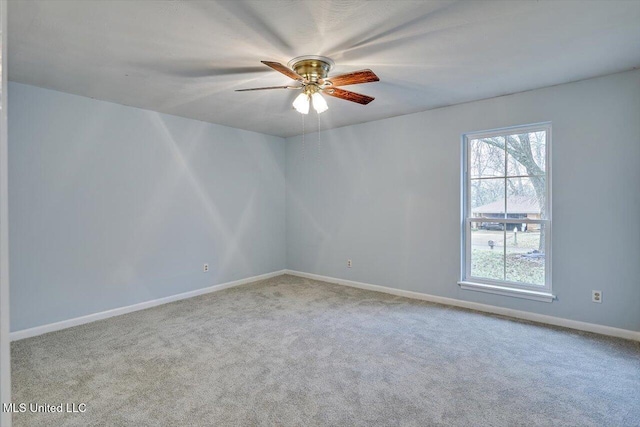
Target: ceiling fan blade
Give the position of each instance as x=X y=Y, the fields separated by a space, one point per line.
x=269 y=87
x=348 y=95
x=362 y=76
x=284 y=70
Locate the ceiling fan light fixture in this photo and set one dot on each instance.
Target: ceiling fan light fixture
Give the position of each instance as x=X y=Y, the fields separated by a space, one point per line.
x=301 y=103
x=319 y=103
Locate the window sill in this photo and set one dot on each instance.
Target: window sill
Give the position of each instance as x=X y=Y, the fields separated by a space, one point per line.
x=510 y=292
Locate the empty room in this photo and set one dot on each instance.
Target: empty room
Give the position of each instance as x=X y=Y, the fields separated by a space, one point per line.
x=320 y=213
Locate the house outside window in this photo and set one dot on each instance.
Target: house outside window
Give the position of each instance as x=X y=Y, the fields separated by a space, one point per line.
x=506 y=218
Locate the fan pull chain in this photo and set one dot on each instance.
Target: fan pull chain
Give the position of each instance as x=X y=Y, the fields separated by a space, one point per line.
x=303 y=147
x=319 y=151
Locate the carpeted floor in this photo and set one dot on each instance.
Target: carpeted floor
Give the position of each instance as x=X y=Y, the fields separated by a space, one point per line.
x=295 y=352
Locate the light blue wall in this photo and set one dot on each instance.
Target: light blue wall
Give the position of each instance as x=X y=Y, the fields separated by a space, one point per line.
x=386 y=194
x=112 y=205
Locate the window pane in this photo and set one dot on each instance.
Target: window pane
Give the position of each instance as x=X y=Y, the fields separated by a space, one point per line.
x=487 y=157
x=487 y=250
x=526 y=154
x=526 y=197
x=525 y=259
x=487 y=198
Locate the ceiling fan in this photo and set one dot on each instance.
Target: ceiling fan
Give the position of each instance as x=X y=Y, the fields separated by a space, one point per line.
x=312 y=74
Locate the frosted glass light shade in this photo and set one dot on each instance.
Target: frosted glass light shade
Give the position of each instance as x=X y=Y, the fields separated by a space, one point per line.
x=301 y=103
x=319 y=104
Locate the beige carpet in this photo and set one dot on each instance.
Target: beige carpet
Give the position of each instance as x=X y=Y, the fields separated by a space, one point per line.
x=295 y=352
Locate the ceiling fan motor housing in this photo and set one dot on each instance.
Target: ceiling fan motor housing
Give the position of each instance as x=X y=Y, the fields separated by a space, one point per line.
x=311 y=67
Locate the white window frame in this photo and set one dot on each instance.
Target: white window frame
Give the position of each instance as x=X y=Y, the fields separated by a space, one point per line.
x=504 y=287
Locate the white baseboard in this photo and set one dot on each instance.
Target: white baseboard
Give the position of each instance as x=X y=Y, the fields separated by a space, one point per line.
x=519 y=314
x=39 y=330
x=534 y=317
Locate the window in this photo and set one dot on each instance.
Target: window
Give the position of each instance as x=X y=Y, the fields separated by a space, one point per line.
x=506 y=239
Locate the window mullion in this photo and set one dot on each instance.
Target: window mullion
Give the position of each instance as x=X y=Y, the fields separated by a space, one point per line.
x=504 y=253
x=504 y=232
x=507 y=220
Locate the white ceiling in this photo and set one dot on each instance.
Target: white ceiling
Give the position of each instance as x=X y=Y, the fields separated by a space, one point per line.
x=187 y=57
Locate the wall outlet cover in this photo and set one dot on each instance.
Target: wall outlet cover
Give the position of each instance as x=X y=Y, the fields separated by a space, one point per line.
x=596 y=296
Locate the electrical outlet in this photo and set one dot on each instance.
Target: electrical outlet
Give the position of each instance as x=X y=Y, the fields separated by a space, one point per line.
x=205 y=268
x=596 y=296
x=349 y=263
